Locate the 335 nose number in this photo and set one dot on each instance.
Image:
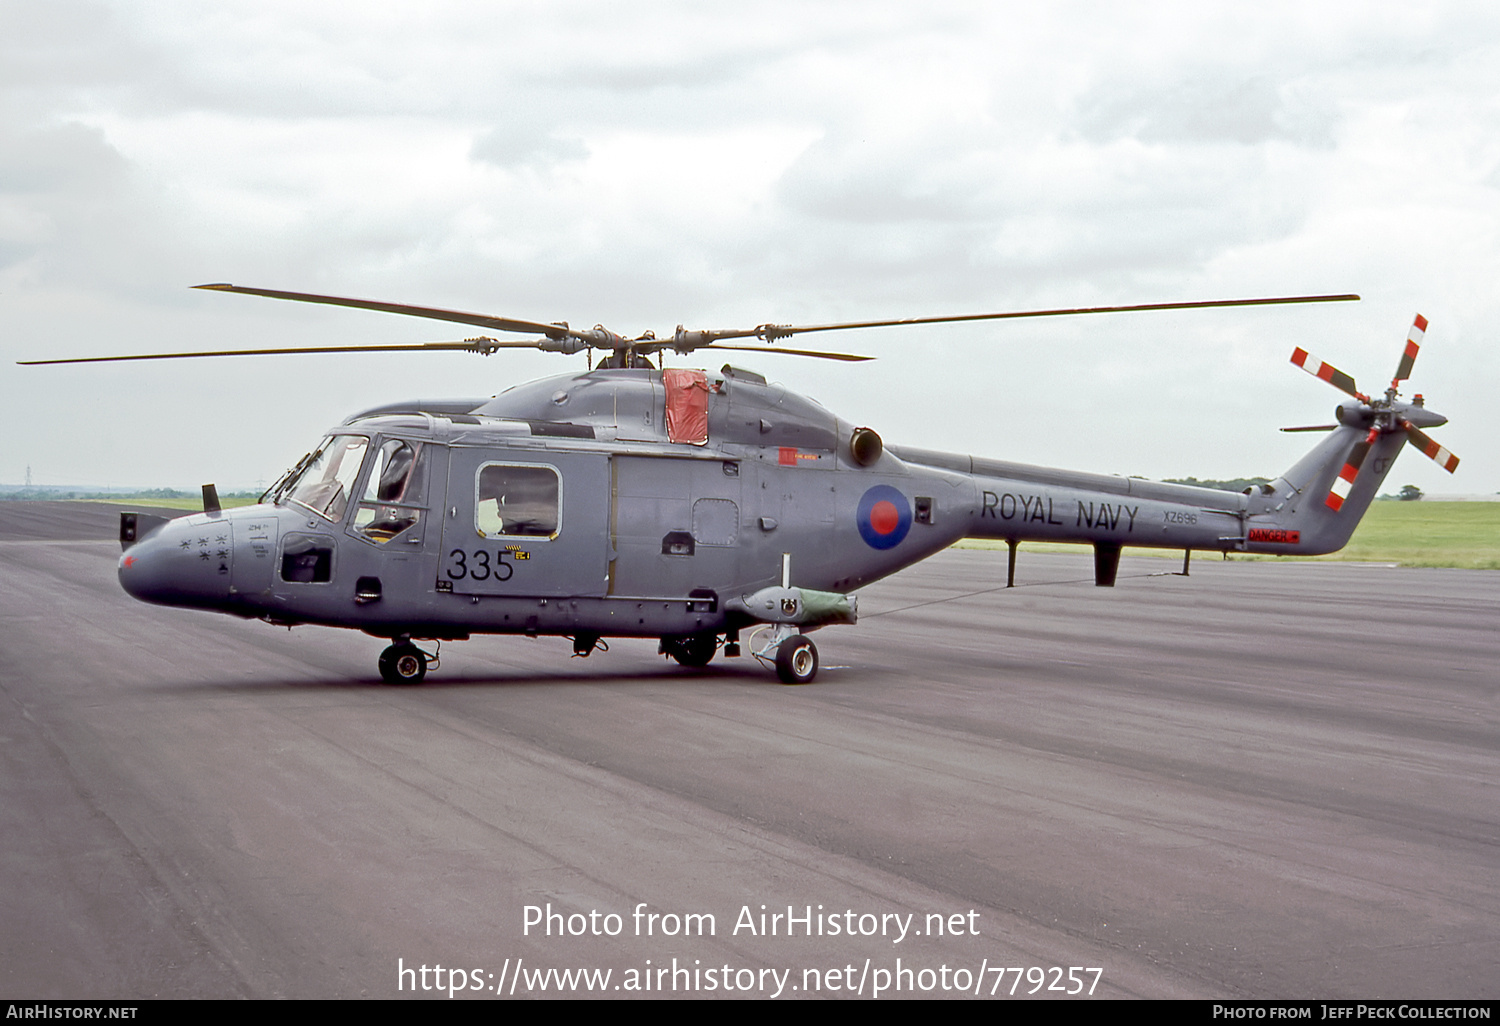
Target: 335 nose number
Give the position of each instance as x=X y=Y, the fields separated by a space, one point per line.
x=481 y=565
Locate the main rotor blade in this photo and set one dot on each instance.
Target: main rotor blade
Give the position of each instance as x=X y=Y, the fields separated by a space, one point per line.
x=775 y=331
x=1431 y=449
x=1312 y=427
x=482 y=346
x=846 y=357
x=600 y=338
x=433 y=313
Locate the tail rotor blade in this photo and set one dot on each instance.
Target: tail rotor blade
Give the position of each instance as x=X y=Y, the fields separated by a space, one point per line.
x=1413 y=343
x=1327 y=372
x=1431 y=449
x=1344 y=482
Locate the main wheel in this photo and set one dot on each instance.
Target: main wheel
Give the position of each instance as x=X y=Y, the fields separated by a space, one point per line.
x=403 y=664
x=694 y=650
x=797 y=660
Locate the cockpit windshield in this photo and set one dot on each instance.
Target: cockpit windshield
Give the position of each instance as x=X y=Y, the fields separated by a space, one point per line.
x=324 y=480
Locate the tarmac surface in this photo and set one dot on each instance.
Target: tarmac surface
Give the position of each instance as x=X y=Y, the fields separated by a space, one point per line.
x=1265 y=780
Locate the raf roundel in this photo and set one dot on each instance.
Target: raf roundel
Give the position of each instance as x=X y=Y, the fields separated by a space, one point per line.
x=884 y=517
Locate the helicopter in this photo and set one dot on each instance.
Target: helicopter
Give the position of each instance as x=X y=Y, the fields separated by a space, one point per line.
x=687 y=505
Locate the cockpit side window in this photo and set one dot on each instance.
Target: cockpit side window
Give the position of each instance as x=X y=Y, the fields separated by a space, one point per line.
x=392 y=478
x=396 y=484
x=517 y=500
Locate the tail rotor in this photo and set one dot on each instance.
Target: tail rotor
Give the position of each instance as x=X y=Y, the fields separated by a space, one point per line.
x=1385 y=415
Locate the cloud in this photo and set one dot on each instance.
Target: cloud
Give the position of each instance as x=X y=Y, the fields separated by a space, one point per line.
x=519 y=142
x=1209 y=108
x=653 y=163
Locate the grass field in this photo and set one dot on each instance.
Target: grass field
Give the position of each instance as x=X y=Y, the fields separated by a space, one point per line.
x=1457 y=534
x=189 y=502
x=1452 y=534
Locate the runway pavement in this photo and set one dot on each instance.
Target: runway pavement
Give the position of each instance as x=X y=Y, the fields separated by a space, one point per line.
x=1263 y=780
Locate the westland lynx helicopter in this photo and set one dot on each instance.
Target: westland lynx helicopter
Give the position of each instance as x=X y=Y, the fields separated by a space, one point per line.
x=687 y=505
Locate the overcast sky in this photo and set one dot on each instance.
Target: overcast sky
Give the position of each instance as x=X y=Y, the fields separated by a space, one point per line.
x=722 y=165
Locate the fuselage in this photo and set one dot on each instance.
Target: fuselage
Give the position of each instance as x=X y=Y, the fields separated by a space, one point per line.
x=633 y=502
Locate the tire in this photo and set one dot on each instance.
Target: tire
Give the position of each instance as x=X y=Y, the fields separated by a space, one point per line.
x=403 y=664
x=695 y=650
x=797 y=660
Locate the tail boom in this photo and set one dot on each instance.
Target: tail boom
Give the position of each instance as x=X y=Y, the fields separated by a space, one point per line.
x=1293 y=515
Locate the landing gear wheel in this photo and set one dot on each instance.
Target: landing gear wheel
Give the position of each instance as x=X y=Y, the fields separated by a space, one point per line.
x=797 y=660
x=403 y=664
x=695 y=650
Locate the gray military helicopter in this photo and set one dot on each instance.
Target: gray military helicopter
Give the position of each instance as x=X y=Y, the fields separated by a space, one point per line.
x=687 y=505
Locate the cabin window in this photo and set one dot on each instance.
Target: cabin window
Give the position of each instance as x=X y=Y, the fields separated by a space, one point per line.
x=518 y=501
x=716 y=522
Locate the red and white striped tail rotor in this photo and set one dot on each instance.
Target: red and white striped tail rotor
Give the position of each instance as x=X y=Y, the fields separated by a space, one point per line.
x=1386 y=413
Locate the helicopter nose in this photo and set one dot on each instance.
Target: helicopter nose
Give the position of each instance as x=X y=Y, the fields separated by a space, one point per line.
x=184 y=563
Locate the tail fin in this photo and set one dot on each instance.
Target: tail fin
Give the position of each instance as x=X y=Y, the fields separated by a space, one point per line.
x=1315 y=506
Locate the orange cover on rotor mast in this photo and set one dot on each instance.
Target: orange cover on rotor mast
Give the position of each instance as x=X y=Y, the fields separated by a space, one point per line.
x=687 y=405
